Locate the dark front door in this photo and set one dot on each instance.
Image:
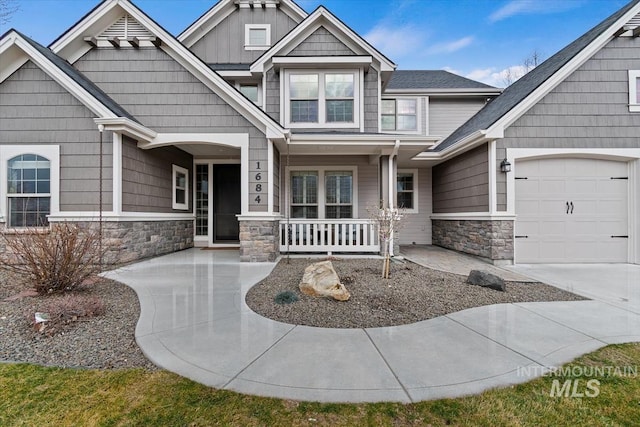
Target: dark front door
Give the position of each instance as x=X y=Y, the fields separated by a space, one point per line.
x=226 y=203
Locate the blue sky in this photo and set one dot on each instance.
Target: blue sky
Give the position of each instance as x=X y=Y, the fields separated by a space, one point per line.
x=479 y=39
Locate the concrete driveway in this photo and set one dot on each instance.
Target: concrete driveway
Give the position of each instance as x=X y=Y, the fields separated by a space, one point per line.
x=194 y=321
x=616 y=284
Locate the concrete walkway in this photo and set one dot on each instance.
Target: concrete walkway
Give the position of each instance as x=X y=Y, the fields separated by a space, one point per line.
x=194 y=322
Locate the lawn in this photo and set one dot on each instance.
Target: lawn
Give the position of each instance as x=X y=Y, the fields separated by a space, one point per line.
x=33 y=395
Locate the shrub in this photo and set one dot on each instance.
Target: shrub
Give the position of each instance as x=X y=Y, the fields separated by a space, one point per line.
x=63 y=310
x=286 y=297
x=52 y=261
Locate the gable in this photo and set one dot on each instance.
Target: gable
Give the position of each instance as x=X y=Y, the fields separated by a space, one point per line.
x=225 y=43
x=321 y=43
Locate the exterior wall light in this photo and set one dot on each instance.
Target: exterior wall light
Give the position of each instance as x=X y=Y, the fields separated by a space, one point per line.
x=505 y=166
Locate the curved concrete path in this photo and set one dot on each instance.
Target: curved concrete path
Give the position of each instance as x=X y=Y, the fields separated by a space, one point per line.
x=194 y=322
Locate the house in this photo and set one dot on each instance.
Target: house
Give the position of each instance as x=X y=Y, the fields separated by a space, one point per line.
x=268 y=128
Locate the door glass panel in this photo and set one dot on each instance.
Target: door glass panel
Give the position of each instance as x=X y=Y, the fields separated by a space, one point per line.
x=202 y=200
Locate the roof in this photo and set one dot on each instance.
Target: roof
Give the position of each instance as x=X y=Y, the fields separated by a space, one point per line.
x=522 y=88
x=79 y=78
x=432 y=79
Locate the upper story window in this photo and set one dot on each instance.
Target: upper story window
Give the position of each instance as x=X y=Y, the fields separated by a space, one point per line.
x=251 y=92
x=634 y=90
x=399 y=115
x=257 y=36
x=321 y=99
x=180 y=188
x=28 y=191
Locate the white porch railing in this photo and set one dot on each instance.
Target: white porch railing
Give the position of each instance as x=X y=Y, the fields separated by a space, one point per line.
x=329 y=235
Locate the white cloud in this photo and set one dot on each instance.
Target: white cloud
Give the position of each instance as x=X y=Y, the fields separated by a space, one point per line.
x=396 y=42
x=522 y=7
x=452 y=46
x=494 y=77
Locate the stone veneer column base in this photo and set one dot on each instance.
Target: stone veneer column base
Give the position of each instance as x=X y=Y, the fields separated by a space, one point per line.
x=259 y=240
x=491 y=239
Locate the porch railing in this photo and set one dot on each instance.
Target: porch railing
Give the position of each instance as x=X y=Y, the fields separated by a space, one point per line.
x=329 y=235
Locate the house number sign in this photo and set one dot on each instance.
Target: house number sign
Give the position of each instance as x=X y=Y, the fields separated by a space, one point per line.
x=258 y=184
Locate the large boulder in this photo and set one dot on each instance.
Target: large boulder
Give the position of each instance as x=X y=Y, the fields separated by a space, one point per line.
x=486 y=280
x=321 y=280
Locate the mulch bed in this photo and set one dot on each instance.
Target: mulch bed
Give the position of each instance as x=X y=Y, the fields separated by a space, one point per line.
x=412 y=293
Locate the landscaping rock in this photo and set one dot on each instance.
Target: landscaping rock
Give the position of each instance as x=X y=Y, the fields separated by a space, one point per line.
x=320 y=279
x=486 y=280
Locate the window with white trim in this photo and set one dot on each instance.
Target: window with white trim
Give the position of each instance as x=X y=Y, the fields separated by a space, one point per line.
x=250 y=91
x=634 y=91
x=407 y=190
x=319 y=99
x=28 y=191
x=29 y=184
x=323 y=193
x=257 y=36
x=180 y=188
x=399 y=115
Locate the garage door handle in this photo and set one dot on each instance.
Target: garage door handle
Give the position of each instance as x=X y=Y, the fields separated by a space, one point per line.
x=619 y=237
x=571 y=208
x=526 y=237
x=567 y=208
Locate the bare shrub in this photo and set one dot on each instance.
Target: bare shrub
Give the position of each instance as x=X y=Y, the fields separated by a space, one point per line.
x=52 y=261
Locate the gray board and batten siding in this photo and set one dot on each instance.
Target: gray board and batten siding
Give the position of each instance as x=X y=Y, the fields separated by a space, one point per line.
x=224 y=44
x=589 y=109
x=37 y=110
x=462 y=183
x=164 y=96
x=147 y=177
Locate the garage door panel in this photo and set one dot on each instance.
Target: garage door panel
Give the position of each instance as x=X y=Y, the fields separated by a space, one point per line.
x=599 y=210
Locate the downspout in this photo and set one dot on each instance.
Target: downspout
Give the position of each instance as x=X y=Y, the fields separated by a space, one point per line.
x=391 y=203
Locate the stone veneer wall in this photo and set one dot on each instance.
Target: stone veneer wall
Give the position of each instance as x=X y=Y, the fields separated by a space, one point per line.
x=259 y=241
x=487 y=239
x=132 y=241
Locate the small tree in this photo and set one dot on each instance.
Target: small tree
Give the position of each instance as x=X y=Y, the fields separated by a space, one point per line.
x=53 y=261
x=389 y=222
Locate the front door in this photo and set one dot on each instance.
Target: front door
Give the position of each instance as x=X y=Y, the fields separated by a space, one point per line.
x=218 y=201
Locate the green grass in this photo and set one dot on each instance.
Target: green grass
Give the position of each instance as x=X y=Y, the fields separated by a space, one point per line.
x=32 y=395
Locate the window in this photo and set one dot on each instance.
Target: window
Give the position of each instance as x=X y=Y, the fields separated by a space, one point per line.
x=304 y=194
x=180 y=188
x=257 y=36
x=251 y=92
x=28 y=191
x=634 y=91
x=323 y=193
x=399 y=114
x=407 y=190
x=322 y=99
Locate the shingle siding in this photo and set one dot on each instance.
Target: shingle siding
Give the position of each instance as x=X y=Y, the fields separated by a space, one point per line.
x=224 y=44
x=590 y=109
x=462 y=183
x=321 y=43
x=34 y=109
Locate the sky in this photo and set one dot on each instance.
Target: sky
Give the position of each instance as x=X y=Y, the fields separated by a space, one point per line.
x=479 y=39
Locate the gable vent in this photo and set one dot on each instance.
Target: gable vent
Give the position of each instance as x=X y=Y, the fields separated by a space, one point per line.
x=126 y=27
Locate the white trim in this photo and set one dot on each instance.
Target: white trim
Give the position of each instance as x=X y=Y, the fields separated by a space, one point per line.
x=117 y=173
x=321 y=190
x=634 y=98
x=322 y=123
x=247 y=36
x=259 y=216
x=175 y=170
x=321 y=16
x=94 y=216
x=128 y=127
x=323 y=61
x=416 y=190
x=493 y=191
x=271 y=177
x=51 y=152
x=474 y=216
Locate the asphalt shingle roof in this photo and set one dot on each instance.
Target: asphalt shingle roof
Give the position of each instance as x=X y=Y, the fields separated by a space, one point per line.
x=81 y=79
x=520 y=89
x=432 y=79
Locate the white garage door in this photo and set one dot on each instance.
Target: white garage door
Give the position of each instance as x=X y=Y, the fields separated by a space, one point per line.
x=571 y=210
